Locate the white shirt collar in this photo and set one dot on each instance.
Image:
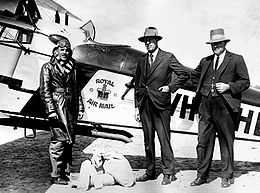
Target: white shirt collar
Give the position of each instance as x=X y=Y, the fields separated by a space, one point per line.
x=221 y=58
x=155 y=53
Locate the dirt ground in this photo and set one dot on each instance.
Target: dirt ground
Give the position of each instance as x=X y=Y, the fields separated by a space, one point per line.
x=25 y=165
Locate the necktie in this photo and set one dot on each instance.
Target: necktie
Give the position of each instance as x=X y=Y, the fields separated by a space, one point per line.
x=216 y=63
x=150 y=59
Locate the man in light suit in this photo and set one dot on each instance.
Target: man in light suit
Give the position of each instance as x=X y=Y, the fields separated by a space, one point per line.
x=222 y=77
x=153 y=87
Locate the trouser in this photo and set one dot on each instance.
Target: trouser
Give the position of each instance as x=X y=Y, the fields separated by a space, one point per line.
x=215 y=117
x=61 y=157
x=159 y=121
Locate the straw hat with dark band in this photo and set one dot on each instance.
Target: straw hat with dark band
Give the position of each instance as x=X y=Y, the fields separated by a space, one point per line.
x=217 y=35
x=150 y=32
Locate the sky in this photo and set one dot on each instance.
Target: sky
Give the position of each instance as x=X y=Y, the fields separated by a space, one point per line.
x=183 y=24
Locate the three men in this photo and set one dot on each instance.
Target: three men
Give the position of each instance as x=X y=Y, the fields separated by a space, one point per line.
x=59 y=92
x=153 y=87
x=222 y=77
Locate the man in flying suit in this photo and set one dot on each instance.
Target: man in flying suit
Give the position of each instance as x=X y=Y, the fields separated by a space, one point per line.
x=61 y=96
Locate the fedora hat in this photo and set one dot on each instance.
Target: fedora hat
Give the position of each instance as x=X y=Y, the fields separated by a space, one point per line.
x=150 y=32
x=217 y=35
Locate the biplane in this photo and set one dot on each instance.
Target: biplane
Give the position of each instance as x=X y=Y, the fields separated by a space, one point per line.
x=106 y=74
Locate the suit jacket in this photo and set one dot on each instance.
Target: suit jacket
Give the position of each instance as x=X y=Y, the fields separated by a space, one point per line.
x=149 y=79
x=232 y=71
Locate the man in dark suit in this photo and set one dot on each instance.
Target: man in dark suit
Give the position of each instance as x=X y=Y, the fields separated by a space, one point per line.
x=222 y=77
x=153 y=87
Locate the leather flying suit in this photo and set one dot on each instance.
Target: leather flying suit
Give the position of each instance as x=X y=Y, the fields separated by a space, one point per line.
x=59 y=92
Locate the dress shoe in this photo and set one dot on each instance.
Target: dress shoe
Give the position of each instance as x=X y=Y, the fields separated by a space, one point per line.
x=168 y=178
x=58 y=180
x=145 y=177
x=226 y=182
x=198 y=181
x=232 y=180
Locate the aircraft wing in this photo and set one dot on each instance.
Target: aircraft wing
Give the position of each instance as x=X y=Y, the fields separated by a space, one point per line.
x=52 y=5
x=99 y=130
x=13 y=23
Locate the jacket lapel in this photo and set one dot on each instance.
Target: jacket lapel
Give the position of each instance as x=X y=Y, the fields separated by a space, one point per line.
x=224 y=64
x=205 y=67
x=156 y=62
x=144 y=67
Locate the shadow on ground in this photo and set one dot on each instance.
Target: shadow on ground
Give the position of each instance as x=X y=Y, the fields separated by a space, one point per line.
x=25 y=165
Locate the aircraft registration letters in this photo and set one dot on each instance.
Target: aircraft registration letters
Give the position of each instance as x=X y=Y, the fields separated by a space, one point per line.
x=102 y=98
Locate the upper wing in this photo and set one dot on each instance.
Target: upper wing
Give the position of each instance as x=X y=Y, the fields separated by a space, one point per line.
x=50 y=4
